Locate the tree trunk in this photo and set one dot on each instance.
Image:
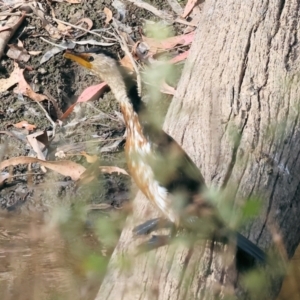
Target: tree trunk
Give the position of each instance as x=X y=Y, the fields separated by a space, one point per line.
x=241 y=79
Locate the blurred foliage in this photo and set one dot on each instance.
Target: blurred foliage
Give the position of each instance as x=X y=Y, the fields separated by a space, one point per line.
x=256 y=281
x=251 y=208
x=108 y=231
x=158 y=30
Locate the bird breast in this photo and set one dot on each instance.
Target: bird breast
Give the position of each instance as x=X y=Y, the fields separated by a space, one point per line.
x=142 y=173
x=139 y=154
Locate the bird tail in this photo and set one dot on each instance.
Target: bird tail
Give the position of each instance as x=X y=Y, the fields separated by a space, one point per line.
x=250 y=248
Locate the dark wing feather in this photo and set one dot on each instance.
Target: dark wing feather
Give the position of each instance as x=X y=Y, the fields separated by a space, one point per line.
x=251 y=249
x=172 y=167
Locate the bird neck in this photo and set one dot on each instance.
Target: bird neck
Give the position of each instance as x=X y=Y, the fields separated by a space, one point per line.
x=131 y=118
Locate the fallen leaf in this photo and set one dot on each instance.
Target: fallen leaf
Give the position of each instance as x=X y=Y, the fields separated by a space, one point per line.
x=6 y=83
x=62 y=27
x=63 y=167
x=169 y=43
x=55 y=50
x=91 y=93
x=52 y=30
x=20 y=44
x=26 y=125
x=50 y=53
x=90 y=158
x=108 y=14
x=3 y=177
x=18 y=53
x=34 y=52
x=38 y=142
x=4 y=28
x=86 y=21
x=25 y=89
x=189 y=7
x=68 y=111
x=110 y=169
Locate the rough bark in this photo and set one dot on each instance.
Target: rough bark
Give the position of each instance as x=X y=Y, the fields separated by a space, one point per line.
x=242 y=76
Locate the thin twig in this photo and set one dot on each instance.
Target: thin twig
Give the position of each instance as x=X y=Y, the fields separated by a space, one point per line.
x=58 y=111
x=53 y=44
x=14 y=14
x=106 y=30
x=48 y=117
x=184 y=22
x=124 y=47
x=80 y=28
x=96 y=140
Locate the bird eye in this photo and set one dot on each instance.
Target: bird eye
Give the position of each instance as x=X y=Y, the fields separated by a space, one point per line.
x=91 y=58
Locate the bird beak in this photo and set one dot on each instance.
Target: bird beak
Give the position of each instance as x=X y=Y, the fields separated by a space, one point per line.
x=80 y=58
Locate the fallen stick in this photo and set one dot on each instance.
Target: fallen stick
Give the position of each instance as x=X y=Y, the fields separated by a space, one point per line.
x=9 y=29
x=151 y=8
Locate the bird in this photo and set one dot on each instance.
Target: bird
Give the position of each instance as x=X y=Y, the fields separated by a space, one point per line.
x=159 y=166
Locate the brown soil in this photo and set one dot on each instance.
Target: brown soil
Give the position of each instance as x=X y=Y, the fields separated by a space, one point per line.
x=50 y=247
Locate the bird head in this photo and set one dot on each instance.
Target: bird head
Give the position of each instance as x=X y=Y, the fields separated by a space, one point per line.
x=99 y=63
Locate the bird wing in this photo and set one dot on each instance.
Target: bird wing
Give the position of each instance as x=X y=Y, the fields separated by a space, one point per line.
x=171 y=166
